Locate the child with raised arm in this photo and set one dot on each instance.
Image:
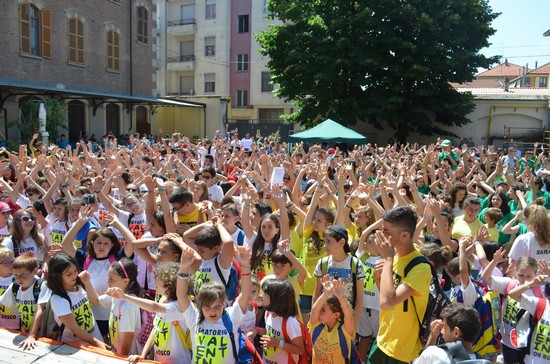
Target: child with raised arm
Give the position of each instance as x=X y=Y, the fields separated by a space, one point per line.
x=332 y=316
x=209 y=321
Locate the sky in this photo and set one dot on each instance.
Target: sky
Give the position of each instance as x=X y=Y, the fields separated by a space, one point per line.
x=519 y=32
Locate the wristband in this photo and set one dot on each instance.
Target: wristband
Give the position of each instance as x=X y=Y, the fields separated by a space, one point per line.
x=257 y=328
x=281 y=344
x=183 y=275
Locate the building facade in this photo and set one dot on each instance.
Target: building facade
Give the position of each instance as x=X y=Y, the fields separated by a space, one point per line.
x=95 y=57
x=207 y=51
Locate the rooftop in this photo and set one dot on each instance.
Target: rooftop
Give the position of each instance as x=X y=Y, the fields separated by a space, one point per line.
x=502 y=70
x=545 y=69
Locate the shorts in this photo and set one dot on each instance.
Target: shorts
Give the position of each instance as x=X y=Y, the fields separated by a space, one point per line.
x=305 y=304
x=377 y=356
x=369 y=324
x=512 y=355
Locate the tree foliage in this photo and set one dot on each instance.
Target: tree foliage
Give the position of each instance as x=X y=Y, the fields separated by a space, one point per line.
x=28 y=124
x=386 y=62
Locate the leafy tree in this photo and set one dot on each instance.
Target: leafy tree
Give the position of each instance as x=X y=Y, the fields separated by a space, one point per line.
x=386 y=62
x=56 y=118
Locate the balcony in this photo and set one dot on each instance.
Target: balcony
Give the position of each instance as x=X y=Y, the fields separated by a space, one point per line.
x=182 y=27
x=181 y=63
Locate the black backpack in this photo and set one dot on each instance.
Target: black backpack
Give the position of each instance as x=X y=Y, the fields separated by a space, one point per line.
x=458 y=354
x=436 y=302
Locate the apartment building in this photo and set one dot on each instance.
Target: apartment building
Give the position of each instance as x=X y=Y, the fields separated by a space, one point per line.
x=207 y=53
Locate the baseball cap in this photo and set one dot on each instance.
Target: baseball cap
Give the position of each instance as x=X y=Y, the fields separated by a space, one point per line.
x=331 y=151
x=446 y=143
x=4 y=207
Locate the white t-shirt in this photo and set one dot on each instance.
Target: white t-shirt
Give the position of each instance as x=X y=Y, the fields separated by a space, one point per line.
x=207 y=272
x=469 y=294
x=371 y=295
x=23 y=202
x=274 y=328
x=125 y=317
x=24 y=303
x=99 y=270
x=4 y=232
x=27 y=245
x=137 y=225
x=210 y=340
x=539 y=353
x=249 y=320
x=526 y=245
x=81 y=311
x=510 y=308
x=204 y=152
x=9 y=316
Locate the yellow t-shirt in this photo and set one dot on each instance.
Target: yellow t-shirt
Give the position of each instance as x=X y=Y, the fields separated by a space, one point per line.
x=296 y=242
x=326 y=349
x=493 y=233
x=462 y=229
x=398 y=336
x=310 y=257
x=297 y=290
x=191 y=218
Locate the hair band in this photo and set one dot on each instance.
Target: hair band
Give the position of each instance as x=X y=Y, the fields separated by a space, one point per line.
x=123 y=269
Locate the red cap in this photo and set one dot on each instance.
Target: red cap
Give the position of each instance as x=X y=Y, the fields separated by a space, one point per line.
x=331 y=151
x=4 y=207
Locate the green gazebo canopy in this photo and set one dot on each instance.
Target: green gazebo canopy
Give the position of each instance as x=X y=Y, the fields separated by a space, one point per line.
x=329 y=131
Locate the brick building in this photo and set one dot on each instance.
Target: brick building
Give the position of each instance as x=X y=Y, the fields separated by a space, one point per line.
x=95 y=56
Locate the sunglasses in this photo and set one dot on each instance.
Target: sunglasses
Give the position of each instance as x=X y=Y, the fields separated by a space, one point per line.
x=205 y=176
x=7 y=262
x=27 y=218
x=130 y=204
x=132 y=189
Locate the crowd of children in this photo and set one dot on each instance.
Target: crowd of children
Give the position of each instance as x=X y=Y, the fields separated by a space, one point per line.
x=220 y=251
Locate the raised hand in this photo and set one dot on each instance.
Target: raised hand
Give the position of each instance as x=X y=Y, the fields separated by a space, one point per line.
x=115 y=292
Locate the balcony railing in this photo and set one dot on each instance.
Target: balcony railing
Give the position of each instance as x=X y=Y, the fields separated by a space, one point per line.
x=182 y=58
x=172 y=23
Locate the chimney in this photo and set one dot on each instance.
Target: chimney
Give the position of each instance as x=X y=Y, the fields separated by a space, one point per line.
x=506 y=84
x=536 y=64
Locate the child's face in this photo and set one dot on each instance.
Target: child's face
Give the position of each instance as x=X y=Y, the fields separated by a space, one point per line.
x=74 y=209
x=155 y=229
x=5 y=266
x=525 y=274
x=281 y=270
x=24 y=277
x=254 y=293
x=165 y=253
x=102 y=246
x=456 y=279
x=58 y=211
x=332 y=245
x=208 y=253
x=488 y=219
x=115 y=280
x=228 y=219
x=327 y=316
x=268 y=229
x=449 y=335
x=69 y=277
x=214 y=312
x=361 y=219
x=320 y=222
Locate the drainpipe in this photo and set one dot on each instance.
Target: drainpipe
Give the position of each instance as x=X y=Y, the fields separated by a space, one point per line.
x=131 y=62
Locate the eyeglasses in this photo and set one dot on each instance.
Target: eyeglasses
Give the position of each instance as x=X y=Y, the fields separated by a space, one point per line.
x=27 y=218
x=205 y=176
x=132 y=189
x=130 y=204
x=7 y=262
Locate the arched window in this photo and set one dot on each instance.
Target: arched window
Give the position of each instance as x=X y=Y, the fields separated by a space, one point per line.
x=113 y=50
x=75 y=32
x=142 y=24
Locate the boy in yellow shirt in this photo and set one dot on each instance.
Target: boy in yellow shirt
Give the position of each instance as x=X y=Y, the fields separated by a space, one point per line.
x=492 y=216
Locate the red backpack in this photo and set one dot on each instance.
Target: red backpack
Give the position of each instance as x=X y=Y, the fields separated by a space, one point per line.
x=304 y=358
